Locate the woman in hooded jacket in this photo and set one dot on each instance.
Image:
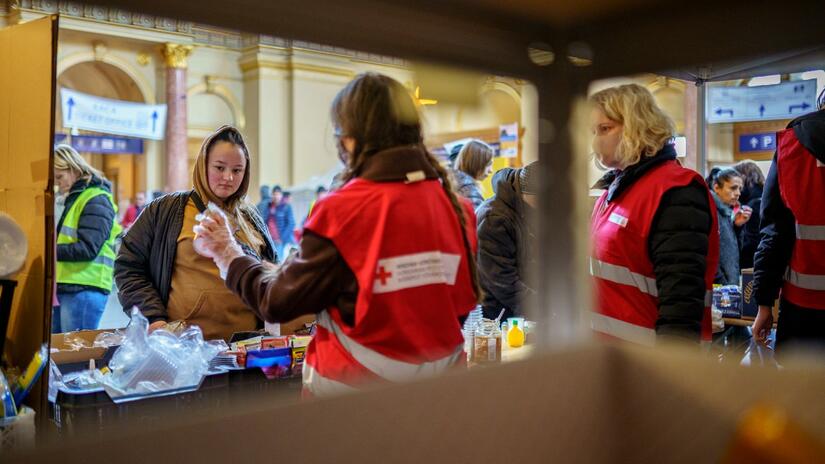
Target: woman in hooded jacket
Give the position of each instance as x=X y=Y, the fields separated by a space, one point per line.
x=159 y=271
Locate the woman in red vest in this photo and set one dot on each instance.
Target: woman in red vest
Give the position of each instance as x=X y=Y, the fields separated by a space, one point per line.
x=386 y=262
x=654 y=229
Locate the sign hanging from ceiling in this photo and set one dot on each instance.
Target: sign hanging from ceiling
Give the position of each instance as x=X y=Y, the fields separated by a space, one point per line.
x=88 y=112
x=767 y=102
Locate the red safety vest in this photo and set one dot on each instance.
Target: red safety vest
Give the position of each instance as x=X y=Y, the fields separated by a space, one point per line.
x=404 y=244
x=627 y=304
x=801 y=185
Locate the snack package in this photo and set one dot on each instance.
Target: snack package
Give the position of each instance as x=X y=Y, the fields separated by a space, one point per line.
x=274 y=363
x=23 y=384
x=299 y=346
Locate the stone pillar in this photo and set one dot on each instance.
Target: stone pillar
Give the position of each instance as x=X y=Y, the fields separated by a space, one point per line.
x=530 y=123
x=177 y=165
x=267 y=83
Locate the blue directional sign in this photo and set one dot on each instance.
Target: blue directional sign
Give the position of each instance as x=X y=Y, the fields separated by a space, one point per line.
x=763 y=141
x=104 y=144
x=88 y=112
x=767 y=102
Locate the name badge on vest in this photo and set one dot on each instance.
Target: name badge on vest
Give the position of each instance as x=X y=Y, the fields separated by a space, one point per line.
x=618 y=219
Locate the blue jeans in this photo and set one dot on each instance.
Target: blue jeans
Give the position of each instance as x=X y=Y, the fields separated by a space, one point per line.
x=78 y=311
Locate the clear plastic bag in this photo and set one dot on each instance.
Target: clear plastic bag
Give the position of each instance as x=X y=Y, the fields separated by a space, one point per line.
x=107 y=339
x=759 y=355
x=152 y=363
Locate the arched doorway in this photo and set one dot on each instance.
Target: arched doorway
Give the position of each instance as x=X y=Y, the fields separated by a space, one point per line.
x=127 y=172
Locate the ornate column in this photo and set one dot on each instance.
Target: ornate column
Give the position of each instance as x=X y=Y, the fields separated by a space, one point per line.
x=177 y=165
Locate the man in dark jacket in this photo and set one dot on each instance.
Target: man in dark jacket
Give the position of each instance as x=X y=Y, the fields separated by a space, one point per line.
x=778 y=239
x=507 y=242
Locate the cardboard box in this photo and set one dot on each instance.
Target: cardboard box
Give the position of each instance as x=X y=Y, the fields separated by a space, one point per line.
x=65 y=353
x=289 y=328
x=748 y=301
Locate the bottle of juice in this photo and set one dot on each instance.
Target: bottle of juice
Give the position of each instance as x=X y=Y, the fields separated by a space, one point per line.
x=515 y=336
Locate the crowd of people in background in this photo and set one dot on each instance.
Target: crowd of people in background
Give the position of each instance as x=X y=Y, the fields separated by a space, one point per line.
x=657 y=228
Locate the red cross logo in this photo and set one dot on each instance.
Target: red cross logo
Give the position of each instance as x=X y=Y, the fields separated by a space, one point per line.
x=383 y=275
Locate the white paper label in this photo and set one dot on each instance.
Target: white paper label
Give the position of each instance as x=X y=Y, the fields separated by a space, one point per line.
x=416 y=270
x=618 y=219
x=491 y=349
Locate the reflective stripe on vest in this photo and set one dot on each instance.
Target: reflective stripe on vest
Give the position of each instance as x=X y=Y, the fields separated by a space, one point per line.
x=322 y=386
x=806 y=281
x=383 y=366
x=804 y=232
x=97 y=272
x=623 y=275
x=623 y=330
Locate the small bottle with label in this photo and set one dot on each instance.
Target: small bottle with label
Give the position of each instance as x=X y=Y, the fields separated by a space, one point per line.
x=515 y=336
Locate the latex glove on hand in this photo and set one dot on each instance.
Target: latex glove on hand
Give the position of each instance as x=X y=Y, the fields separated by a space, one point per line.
x=214 y=239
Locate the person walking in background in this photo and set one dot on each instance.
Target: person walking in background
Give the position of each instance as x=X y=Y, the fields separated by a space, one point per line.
x=86 y=233
x=654 y=230
x=727 y=188
x=280 y=220
x=790 y=259
x=507 y=242
x=133 y=211
x=754 y=183
x=266 y=198
x=473 y=164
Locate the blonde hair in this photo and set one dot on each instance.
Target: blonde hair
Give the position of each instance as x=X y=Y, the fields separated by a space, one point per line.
x=473 y=158
x=237 y=205
x=67 y=158
x=646 y=128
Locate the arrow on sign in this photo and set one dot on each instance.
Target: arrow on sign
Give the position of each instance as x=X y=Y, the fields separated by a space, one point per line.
x=804 y=106
x=761 y=110
x=754 y=142
x=71 y=105
x=719 y=111
x=154 y=120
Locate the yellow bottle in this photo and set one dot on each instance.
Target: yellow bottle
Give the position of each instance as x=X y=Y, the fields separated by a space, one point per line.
x=515 y=336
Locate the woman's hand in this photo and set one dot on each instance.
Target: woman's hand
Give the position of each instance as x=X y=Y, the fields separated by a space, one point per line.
x=743 y=215
x=156 y=325
x=763 y=324
x=214 y=239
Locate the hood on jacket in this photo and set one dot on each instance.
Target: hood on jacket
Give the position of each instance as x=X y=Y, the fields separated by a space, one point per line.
x=462 y=179
x=265 y=194
x=810 y=130
x=94 y=181
x=200 y=178
x=507 y=188
x=723 y=208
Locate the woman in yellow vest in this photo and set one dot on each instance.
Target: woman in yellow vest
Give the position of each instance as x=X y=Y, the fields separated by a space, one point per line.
x=157 y=268
x=86 y=232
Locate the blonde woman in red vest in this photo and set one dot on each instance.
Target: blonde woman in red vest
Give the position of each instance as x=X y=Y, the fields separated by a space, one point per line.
x=386 y=261
x=790 y=259
x=654 y=230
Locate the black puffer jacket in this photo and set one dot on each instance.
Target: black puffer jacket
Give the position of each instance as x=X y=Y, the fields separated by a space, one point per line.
x=677 y=246
x=146 y=261
x=749 y=233
x=468 y=188
x=778 y=225
x=506 y=247
x=93 y=229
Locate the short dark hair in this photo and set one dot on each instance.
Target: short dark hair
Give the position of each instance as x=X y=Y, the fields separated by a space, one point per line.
x=277 y=188
x=320 y=189
x=287 y=194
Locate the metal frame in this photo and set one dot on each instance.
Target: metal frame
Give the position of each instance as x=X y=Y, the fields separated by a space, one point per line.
x=494 y=38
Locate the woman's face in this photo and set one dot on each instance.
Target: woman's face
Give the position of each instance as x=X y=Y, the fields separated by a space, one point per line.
x=729 y=191
x=225 y=169
x=607 y=134
x=64 y=179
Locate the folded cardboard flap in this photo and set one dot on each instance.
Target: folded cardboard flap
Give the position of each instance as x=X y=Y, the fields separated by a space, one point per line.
x=67 y=354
